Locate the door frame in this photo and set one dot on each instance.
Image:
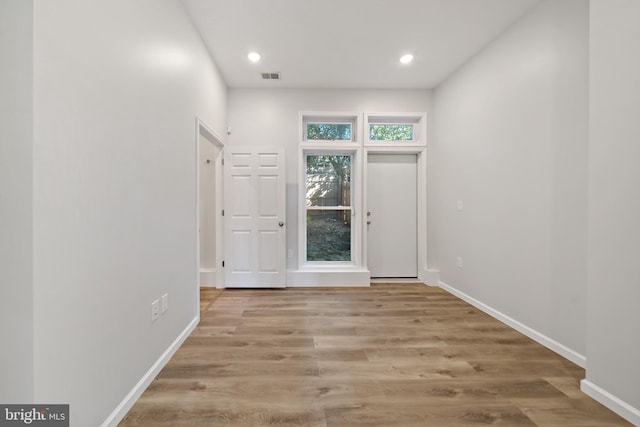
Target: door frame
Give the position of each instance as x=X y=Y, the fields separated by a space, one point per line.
x=203 y=130
x=421 y=202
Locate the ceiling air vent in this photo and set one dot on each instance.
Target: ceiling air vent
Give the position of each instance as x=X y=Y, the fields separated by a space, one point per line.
x=271 y=76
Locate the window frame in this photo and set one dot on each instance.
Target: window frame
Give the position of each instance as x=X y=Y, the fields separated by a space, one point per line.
x=350 y=207
x=351 y=148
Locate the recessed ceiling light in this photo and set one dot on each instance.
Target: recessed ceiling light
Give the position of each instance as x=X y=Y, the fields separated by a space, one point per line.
x=405 y=59
x=254 y=57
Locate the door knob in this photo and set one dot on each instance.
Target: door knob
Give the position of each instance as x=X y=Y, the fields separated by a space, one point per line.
x=281 y=223
x=368 y=222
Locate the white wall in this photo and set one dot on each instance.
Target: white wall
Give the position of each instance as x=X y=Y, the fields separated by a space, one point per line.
x=16 y=252
x=613 y=321
x=271 y=117
x=511 y=142
x=117 y=88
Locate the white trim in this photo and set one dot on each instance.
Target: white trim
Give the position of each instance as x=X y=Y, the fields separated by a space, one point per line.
x=207 y=131
x=421 y=202
x=356 y=188
x=430 y=277
x=617 y=405
x=130 y=399
x=207 y=276
x=334 y=278
x=539 y=337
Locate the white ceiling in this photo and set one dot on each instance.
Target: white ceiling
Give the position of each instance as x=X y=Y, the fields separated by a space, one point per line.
x=348 y=43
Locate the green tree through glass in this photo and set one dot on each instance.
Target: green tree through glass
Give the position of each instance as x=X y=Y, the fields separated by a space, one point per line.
x=335 y=171
x=328 y=185
x=399 y=132
x=329 y=131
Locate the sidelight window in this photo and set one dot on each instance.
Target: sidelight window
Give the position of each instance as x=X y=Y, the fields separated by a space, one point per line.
x=328 y=201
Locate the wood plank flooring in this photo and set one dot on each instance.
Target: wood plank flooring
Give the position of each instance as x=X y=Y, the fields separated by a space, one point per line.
x=390 y=355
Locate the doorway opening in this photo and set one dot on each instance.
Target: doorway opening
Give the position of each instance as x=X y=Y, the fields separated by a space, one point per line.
x=210 y=207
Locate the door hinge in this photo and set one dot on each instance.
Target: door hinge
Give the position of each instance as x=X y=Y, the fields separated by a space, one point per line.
x=223 y=161
x=222 y=212
x=223 y=263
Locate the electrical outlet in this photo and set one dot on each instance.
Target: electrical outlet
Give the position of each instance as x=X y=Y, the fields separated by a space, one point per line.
x=459 y=262
x=155 y=310
x=165 y=303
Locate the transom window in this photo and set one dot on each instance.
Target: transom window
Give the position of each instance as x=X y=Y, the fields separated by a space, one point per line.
x=395 y=129
x=391 y=132
x=325 y=129
x=329 y=131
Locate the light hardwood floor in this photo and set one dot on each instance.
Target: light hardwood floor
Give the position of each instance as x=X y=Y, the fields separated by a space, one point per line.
x=390 y=355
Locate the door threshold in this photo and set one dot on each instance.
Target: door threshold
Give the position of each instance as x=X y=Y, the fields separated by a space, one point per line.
x=395 y=280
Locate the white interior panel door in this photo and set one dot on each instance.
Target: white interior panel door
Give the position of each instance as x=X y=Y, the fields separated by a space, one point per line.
x=392 y=240
x=254 y=217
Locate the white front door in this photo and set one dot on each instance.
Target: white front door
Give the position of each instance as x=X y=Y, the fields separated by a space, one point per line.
x=254 y=217
x=392 y=238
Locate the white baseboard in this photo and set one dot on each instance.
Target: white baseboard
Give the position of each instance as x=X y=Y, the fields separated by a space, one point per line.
x=618 y=406
x=551 y=344
x=208 y=277
x=328 y=278
x=430 y=277
x=130 y=399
